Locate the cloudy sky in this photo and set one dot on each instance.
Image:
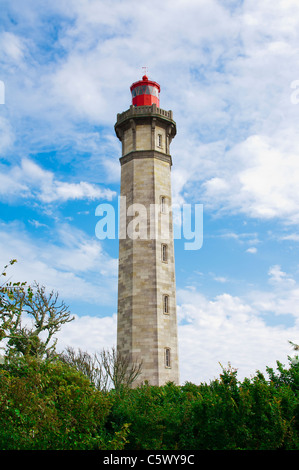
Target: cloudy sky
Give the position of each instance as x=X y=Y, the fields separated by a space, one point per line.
x=228 y=70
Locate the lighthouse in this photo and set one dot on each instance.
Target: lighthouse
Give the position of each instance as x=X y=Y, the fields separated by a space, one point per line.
x=146 y=319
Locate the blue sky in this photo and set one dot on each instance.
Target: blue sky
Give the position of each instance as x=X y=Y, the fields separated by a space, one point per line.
x=226 y=70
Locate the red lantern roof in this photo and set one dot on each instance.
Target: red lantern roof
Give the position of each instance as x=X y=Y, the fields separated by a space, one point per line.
x=145 y=92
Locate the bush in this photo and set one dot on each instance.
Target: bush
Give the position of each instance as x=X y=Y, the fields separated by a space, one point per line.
x=155 y=415
x=225 y=414
x=49 y=405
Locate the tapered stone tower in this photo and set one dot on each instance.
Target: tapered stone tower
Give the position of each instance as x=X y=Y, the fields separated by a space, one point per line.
x=147 y=323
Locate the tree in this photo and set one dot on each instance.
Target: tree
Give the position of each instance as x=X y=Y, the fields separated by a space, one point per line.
x=119 y=369
x=44 y=311
x=7 y=307
x=106 y=369
x=87 y=364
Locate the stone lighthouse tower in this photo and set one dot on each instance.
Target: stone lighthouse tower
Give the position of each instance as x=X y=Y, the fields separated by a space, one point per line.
x=147 y=323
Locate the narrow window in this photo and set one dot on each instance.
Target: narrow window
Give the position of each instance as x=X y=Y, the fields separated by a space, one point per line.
x=164 y=253
x=165 y=304
x=163 y=204
x=159 y=140
x=167 y=357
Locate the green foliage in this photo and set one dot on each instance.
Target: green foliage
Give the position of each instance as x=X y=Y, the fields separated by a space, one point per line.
x=225 y=414
x=49 y=405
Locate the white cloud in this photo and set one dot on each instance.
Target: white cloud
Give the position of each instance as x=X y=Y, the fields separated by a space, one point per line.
x=12 y=46
x=293 y=237
x=6 y=134
x=221 y=279
x=230 y=329
x=281 y=300
x=78 y=85
x=258 y=178
x=252 y=250
x=278 y=277
x=88 y=333
x=30 y=180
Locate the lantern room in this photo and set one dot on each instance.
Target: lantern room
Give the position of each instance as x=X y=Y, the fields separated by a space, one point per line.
x=145 y=92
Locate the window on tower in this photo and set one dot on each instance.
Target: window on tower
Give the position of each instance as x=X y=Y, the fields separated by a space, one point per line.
x=165 y=304
x=159 y=143
x=167 y=357
x=165 y=253
x=163 y=204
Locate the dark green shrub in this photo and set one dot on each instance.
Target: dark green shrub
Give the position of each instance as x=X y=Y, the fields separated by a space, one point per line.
x=48 y=405
x=225 y=414
x=155 y=415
